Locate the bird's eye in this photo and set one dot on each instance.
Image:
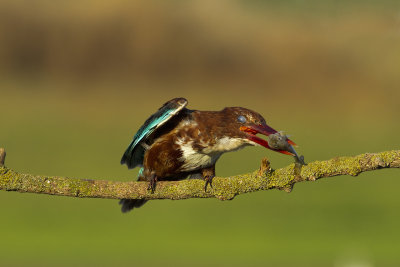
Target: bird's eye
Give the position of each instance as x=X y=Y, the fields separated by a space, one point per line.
x=241 y=119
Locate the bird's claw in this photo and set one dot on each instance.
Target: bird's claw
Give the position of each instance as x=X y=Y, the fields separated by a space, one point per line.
x=208 y=182
x=152 y=183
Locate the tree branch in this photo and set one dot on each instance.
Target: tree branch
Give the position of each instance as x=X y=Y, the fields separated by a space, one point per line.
x=223 y=188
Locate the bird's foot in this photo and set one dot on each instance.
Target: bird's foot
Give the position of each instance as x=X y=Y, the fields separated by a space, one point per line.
x=208 y=182
x=152 y=183
x=208 y=175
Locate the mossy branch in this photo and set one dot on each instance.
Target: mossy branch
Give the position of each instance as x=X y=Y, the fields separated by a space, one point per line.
x=223 y=188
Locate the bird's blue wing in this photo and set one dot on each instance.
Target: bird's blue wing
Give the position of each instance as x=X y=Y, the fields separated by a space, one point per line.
x=133 y=155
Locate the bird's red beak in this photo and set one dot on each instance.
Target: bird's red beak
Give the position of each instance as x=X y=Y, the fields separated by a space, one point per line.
x=264 y=129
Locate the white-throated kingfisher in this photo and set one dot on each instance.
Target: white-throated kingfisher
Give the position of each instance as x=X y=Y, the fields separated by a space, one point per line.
x=176 y=142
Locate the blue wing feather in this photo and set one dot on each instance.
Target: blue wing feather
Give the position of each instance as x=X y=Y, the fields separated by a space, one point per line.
x=134 y=154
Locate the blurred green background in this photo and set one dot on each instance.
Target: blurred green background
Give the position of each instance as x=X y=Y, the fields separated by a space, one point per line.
x=77 y=79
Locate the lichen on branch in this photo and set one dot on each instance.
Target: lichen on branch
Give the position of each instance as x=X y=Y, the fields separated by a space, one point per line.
x=223 y=188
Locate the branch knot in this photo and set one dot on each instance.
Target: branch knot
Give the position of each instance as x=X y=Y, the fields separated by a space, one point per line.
x=2 y=156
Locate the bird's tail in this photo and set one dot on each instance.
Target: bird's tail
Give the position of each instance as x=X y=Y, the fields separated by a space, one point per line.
x=129 y=204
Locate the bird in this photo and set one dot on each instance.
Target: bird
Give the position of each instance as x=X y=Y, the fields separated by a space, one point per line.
x=176 y=142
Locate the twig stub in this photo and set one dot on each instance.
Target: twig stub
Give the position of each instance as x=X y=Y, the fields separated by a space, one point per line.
x=265 y=167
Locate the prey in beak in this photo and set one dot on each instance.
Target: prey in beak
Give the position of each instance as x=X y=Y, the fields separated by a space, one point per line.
x=276 y=141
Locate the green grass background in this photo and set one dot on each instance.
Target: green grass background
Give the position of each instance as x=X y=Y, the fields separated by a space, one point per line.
x=329 y=79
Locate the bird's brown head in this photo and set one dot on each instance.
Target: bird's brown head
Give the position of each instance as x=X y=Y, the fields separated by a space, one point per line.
x=247 y=124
